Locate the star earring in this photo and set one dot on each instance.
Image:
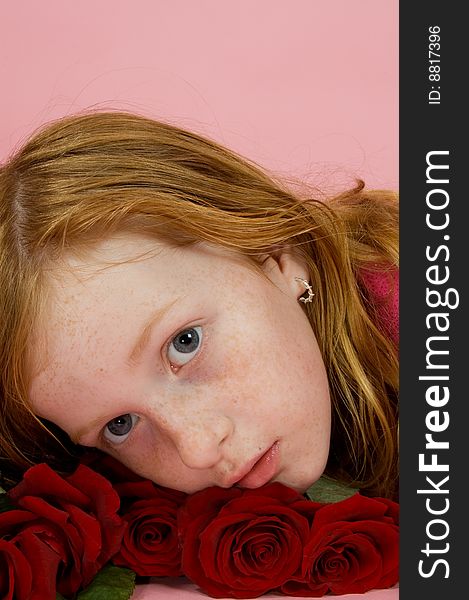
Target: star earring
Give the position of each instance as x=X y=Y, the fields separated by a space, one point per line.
x=308 y=288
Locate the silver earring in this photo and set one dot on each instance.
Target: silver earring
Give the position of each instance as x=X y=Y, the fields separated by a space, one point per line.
x=308 y=288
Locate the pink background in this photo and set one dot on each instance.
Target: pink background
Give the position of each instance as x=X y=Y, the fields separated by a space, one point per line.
x=307 y=88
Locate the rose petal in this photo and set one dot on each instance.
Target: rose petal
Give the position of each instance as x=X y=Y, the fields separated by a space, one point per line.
x=44 y=561
x=15 y=573
x=42 y=481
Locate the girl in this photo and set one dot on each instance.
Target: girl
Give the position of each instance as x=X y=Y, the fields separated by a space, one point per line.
x=166 y=301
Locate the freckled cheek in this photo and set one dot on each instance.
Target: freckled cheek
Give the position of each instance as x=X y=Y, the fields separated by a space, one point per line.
x=299 y=395
x=146 y=454
x=158 y=461
x=252 y=378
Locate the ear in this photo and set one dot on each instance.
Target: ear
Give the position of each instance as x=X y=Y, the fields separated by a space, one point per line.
x=282 y=267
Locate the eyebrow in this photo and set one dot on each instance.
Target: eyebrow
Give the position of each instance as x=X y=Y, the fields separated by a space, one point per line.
x=132 y=360
x=145 y=334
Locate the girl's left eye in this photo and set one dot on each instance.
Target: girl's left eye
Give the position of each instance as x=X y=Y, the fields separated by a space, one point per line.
x=184 y=346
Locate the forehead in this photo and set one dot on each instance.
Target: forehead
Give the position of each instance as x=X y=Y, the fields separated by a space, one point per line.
x=98 y=301
x=121 y=273
x=121 y=261
x=85 y=293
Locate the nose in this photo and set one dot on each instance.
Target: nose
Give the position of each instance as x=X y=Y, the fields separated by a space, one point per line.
x=199 y=439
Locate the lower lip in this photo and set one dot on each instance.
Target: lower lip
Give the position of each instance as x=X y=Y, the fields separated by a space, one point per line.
x=263 y=471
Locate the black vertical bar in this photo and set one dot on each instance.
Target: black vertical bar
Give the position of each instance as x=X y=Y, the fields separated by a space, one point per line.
x=434 y=351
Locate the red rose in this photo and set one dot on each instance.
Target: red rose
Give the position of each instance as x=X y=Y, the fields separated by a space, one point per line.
x=66 y=529
x=22 y=560
x=150 y=545
x=353 y=548
x=242 y=543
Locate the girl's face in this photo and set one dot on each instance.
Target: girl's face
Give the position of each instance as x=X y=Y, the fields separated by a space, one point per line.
x=187 y=365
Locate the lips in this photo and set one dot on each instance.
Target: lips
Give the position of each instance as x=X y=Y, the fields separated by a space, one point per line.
x=262 y=470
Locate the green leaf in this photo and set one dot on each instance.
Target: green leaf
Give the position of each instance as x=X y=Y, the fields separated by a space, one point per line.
x=5 y=503
x=328 y=490
x=58 y=596
x=111 y=583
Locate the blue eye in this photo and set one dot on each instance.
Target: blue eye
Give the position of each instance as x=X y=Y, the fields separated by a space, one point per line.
x=118 y=429
x=184 y=346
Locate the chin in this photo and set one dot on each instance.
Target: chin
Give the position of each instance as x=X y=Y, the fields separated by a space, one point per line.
x=302 y=488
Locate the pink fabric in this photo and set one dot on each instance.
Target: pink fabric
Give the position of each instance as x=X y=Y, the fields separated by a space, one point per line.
x=182 y=589
x=383 y=292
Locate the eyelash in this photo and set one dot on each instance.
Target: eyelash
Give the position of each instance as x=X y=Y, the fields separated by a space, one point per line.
x=108 y=443
x=196 y=353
